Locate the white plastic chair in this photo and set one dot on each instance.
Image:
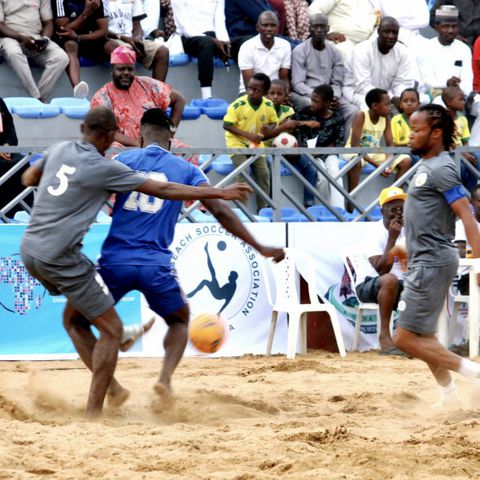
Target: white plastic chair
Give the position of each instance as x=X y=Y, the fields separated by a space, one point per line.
x=284 y=279
x=350 y=260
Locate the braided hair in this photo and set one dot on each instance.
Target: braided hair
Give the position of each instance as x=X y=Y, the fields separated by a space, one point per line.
x=440 y=117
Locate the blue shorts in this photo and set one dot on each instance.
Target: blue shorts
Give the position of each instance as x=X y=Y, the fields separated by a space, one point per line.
x=158 y=284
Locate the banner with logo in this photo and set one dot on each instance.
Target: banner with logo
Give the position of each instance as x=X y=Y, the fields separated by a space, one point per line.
x=31 y=319
x=218 y=273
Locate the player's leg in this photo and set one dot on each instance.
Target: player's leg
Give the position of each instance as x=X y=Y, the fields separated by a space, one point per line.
x=80 y=332
x=387 y=296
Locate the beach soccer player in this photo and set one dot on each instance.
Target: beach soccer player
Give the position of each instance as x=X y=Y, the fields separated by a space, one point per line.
x=136 y=256
x=74 y=180
x=435 y=197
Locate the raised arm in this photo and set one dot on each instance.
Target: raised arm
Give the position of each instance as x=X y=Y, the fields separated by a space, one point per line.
x=177 y=191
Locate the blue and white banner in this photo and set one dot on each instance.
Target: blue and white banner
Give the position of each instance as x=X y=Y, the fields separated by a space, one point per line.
x=218 y=272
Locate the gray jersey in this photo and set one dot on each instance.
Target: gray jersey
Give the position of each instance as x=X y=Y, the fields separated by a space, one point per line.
x=429 y=220
x=76 y=180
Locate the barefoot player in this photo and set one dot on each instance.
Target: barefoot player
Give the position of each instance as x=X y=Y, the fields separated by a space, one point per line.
x=136 y=255
x=435 y=197
x=74 y=180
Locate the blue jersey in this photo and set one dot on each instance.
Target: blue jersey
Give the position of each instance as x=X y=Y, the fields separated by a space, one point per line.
x=142 y=225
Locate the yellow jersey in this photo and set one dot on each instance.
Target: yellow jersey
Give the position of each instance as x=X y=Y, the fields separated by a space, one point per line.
x=462 y=135
x=400 y=129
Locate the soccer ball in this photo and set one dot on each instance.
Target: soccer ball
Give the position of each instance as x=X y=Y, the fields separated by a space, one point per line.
x=207 y=332
x=285 y=140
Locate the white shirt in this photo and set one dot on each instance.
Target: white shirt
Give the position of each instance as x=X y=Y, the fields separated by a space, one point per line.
x=410 y=14
x=373 y=247
x=369 y=68
x=121 y=14
x=356 y=19
x=195 y=17
x=438 y=64
x=254 y=55
x=151 y=22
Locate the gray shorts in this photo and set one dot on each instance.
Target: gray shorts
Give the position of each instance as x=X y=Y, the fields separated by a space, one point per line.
x=424 y=292
x=75 y=277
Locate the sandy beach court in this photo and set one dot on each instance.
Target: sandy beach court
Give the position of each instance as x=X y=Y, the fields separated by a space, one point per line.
x=315 y=417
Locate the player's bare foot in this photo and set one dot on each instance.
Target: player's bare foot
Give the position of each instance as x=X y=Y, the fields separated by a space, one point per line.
x=164 y=392
x=118 y=398
x=133 y=332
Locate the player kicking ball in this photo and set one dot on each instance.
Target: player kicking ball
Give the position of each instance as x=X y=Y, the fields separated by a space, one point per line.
x=74 y=180
x=136 y=256
x=435 y=197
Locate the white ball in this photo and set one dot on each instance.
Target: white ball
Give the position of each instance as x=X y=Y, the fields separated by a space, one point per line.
x=285 y=140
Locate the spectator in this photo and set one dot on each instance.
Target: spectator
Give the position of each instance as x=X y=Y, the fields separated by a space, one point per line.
x=469 y=18
x=81 y=29
x=447 y=62
x=351 y=21
x=379 y=63
x=13 y=186
x=247 y=122
x=265 y=53
x=125 y=28
x=26 y=29
x=476 y=65
x=320 y=126
x=151 y=22
x=318 y=62
x=379 y=278
x=204 y=35
x=278 y=95
x=454 y=100
x=296 y=20
x=368 y=129
x=128 y=96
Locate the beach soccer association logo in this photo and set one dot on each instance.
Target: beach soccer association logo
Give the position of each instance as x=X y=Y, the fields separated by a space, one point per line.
x=218 y=272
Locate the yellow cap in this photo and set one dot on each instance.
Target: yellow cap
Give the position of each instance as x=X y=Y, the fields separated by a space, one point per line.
x=391 y=193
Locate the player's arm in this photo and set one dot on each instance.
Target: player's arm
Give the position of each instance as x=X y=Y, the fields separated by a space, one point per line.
x=461 y=207
x=224 y=214
x=31 y=176
x=177 y=191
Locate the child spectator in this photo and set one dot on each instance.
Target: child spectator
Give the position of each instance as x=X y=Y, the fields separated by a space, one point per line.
x=278 y=95
x=409 y=102
x=245 y=123
x=454 y=100
x=368 y=129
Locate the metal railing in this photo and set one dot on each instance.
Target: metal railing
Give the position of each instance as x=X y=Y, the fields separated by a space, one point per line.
x=279 y=190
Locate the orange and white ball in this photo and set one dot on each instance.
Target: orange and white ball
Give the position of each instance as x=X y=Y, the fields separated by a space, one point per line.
x=207 y=332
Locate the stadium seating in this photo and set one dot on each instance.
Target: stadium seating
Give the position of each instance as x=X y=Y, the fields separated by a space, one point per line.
x=28 y=107
x=287 y=214
x=178 y=60
x=214 y=108
x=72 y=107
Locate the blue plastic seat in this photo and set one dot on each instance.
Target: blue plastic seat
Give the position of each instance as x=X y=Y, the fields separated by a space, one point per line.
x=191 y=113
x=29 y=107
x=87 y=62
x=286 y=214
x=284 y=171
x=72 y=107
x=241 y=215
x=204 y=158
x=323 y=214
x=223 y=165
x=178 y=60
x=214 y=108
x=216 y=61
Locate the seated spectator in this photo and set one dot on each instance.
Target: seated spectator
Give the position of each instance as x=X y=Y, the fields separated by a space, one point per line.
x=400 y=123
x=454 y=100
x=246 y=122
x=26 y=29
x=447 y=62
x=125 y=28
x=469 y=18
x=150 y=23
x=379 y=279
x=296 y=20
x=13 y=186
x=278 y=95
x=319 y=126
x=351 y=21
x=379 y=63
x=318 y=62
x=204 y=35
x=128 y=96
x=265 y=53
x=368 y=129
x=81 y=29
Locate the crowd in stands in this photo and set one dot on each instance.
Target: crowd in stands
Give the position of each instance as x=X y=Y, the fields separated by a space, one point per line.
x=330 y=72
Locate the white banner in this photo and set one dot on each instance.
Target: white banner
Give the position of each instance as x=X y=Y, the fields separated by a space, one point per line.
x=219 y=273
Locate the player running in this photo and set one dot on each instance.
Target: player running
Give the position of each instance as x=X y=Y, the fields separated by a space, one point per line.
x=74 y=180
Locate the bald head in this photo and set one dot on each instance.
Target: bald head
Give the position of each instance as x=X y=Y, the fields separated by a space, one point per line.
x=387 y=34
x=388 y=22
x=267 y=17
x=318 y=30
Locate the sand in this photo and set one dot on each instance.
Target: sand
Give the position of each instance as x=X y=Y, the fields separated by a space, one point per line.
x=315 y=417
